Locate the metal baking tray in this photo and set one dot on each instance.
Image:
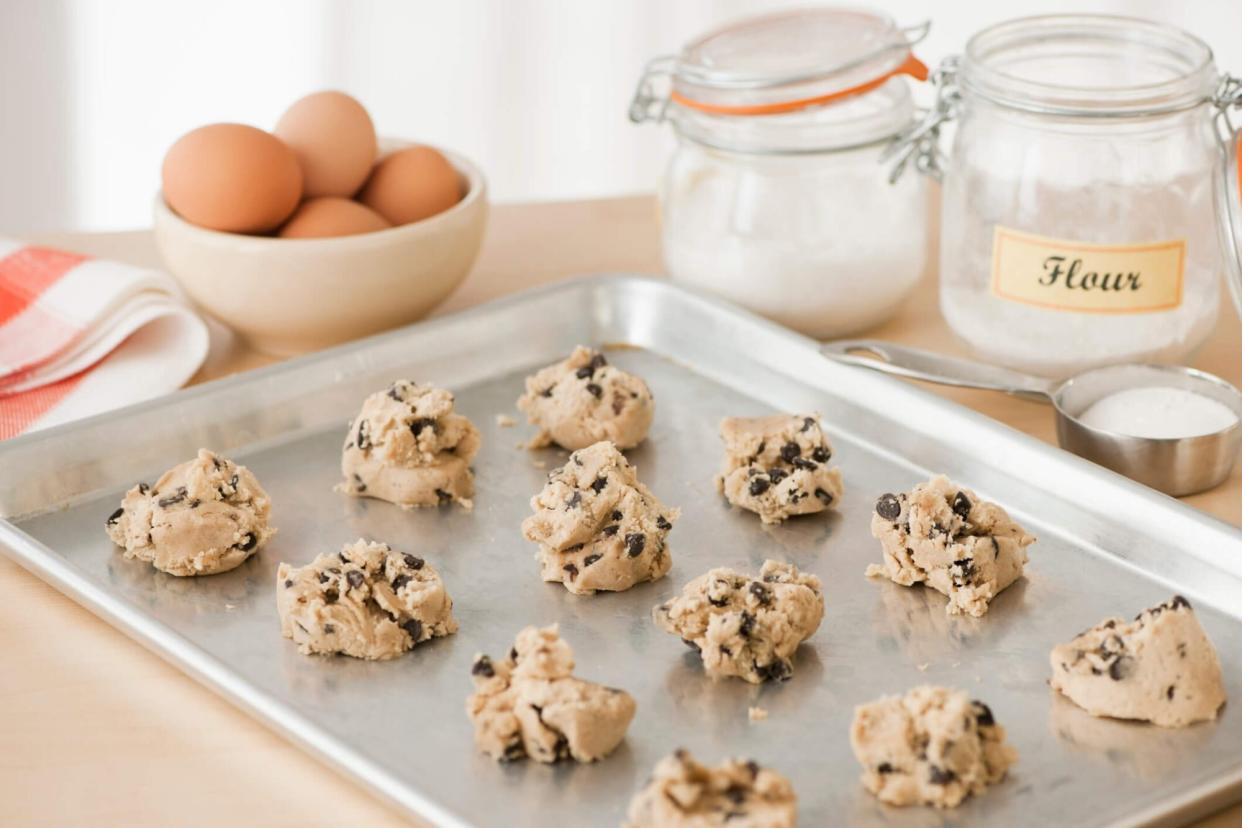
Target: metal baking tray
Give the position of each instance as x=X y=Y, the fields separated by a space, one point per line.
x=1106 y=546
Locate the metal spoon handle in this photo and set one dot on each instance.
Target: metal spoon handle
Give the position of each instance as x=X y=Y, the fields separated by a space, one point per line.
x=913 y=363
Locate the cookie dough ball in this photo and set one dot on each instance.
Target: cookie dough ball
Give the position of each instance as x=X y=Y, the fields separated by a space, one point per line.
x=584 y=400
x=932 y=746
x=743 y=626
x=597 y=526
x=945 y=536
x=409 y=447
x=202 y=517
x=530 y=704
x=1158 y=668
x=777 y=466
x=736 y=794
x=367 y=601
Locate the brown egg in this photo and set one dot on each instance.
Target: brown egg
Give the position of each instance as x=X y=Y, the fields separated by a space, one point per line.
x=332 y=216
x=232 y=177
x=412 y=184
x=334 y=140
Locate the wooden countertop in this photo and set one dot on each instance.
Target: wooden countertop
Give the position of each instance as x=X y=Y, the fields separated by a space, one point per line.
x=97 y=731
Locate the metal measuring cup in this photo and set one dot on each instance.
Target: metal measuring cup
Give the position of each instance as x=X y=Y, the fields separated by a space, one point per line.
x=1175 y=465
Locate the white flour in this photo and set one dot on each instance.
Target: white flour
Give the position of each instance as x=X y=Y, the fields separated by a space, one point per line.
x=1160 y=412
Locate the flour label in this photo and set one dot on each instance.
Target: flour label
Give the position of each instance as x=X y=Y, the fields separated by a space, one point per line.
x=1087 y=278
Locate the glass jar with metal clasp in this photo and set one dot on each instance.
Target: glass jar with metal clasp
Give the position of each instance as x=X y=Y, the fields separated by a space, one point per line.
x=1079 y=214
x=774 y=197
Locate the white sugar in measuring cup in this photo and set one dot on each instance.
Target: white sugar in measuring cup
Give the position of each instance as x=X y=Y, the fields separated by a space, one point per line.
x=1174 y=465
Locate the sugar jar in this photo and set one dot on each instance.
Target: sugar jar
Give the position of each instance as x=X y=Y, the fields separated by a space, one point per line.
x=1078 y=216
x=774 y=197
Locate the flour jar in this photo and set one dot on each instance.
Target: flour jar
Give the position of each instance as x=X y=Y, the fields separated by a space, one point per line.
x=774 y=197
x=1079 y=222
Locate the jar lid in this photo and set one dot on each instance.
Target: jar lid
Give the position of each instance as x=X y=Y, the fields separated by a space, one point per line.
x=791 y=60
x=1229 y=214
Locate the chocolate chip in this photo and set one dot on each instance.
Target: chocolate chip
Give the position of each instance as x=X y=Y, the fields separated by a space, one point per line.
x=329 y=629
x=735 y=794
x=789 y=451
x=961 y=505
x=888 y=507
x=395 y=394
x=248 y=542
x=143 y=488
x=344 y=558
x=400 y=581
x=195 y=503
x=804 y=464
x=983 y=714
x=758 y=485
x=692 y=645
x=616 y=514
x=595 y=390
x=421 y=423
x=940 y=776
x=115 y=516
x=1121 y=668
x=634 y=543
x=355 y=578
x=662 y=523
x=443 y=496
x=597 y=361
x=414 y=627
x=585 y=372
x=599 y=484
x=288 y=583
x=610 y=530
x=413 y=562
x=1168 y=694
x=762 y=593
x=176 y=497
x=359 y=486
x=513 y=654
x=547 y=392
x=323 y=577
x=590 y=559
x=1179 y=602
x=778 y=670
x=483 y=667
x=824 y=496
x=821 y=454
x=807 y=422
x=364 y=435
x=570 y=570
x=575 y=500
x=884 y=767
x=747 y=625
x=777 y=475
x=753 y=767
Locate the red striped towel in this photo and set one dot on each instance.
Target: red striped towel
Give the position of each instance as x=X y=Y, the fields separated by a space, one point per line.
x=79 y=336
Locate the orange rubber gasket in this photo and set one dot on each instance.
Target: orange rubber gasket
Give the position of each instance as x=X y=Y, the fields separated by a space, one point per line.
x=912 y=66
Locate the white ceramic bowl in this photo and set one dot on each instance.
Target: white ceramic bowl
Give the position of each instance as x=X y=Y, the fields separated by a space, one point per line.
x=288 y=296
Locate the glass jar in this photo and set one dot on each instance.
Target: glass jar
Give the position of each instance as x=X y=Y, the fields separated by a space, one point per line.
x=774 y=197
x=1078 y=216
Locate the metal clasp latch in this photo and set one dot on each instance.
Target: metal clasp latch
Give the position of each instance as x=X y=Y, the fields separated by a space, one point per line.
x=650 y=103
x=921 y=142
x=1228 y=96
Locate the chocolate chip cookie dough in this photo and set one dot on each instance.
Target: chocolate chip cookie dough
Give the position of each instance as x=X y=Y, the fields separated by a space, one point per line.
x=932 y=746
x=777 y=466
x=1159 y=668
x=945 y=536
x=530 y=704
x=597 y=526
x=736 y=794
x=367 y=601
x=746 y=627
x=409 y=447
x=584 y=400
x=201 y=517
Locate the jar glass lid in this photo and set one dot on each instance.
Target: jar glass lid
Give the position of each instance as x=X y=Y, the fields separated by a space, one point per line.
x=791 y=60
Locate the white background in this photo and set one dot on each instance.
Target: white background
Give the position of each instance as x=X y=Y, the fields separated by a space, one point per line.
x=92 y=92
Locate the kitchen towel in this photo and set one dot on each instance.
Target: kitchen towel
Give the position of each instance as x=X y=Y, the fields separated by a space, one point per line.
x=80 y=335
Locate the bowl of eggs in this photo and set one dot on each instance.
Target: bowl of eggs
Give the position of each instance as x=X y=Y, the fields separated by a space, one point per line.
x=317 y=232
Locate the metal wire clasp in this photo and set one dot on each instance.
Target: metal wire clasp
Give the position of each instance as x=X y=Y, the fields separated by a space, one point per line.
x=649 y=102
x=1228 y=96
x=921 y=142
